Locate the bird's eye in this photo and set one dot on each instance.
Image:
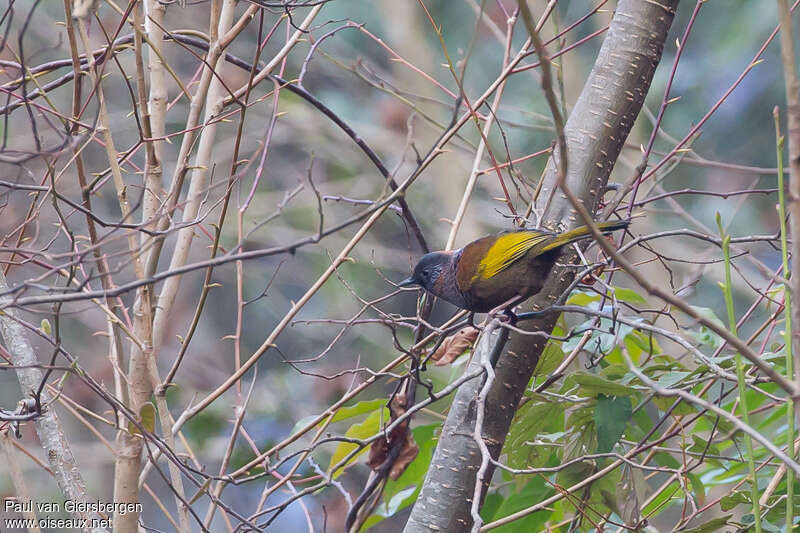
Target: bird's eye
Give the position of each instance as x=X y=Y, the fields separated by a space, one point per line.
x=425 y=272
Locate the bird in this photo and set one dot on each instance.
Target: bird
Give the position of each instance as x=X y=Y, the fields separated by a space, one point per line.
x=498 y=271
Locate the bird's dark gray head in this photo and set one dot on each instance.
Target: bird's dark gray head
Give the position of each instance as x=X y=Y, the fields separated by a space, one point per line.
x=436 y=273
x=429 y=269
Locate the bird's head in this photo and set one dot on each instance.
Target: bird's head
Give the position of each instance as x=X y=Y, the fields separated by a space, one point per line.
x=429 y=271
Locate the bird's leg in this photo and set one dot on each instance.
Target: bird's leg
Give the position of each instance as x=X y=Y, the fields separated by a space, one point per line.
x=471 y=320
x=498 y=347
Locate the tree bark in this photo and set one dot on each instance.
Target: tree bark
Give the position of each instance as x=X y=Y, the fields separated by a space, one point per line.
x=48 y=426
x=595 y=132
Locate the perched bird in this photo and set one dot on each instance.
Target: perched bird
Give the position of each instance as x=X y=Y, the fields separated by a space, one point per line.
x=497 y=270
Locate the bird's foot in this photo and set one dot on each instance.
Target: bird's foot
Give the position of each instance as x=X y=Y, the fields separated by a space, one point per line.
x=508 y=316
x=505 y=312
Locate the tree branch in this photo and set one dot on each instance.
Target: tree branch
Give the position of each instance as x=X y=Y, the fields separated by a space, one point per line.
x=48 y=426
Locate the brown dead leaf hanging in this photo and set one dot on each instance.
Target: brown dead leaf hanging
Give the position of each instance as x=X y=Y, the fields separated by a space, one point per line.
x=454 y=346
x=399 y=447
x=408 y=453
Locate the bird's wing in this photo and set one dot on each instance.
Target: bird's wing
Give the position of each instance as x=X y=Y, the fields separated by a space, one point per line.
x=508 y=249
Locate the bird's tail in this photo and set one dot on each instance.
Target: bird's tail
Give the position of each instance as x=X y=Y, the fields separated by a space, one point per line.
x=583 y=232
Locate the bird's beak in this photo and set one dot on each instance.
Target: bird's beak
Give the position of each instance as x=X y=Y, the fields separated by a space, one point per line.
x=407 y=282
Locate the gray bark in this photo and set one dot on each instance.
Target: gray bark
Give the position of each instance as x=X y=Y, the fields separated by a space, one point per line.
x=595 y=132
x=48 y=426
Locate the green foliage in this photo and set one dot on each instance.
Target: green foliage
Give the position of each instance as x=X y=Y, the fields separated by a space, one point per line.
x=344 y=413
x=498 y=506
x=609 y=403
x=703 y=335
x=536 y=419
x=147 y=418
x=628 y=295
x=712 y=526
x=671 y=493
x=611 y=415
x=604 y=337
x=553 y=354
x=363 y=430
x=593 y=385
x=730 y=501
x=591 y=409
x=205 y=426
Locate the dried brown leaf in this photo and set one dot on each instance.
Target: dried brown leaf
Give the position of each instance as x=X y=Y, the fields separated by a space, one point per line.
x=377 y=453
x=407 y=454
x=398 y=405
x=400 y=436
x=454 y=346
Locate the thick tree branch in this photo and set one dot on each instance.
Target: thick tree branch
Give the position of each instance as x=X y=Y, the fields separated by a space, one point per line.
x=793 y=117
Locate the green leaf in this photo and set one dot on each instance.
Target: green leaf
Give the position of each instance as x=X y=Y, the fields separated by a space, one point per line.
x=769 y=527
x=386 y=509
x=734 y=499
x=639 y=344
x=617 y=373
x=673 y=492
x=605 y=336
x=490 y=506
x=603 y=495
x=698 y=487
x=369 y=427
x=665 y=402
x=665 y=459
x=631 y=490
x=582 y=298
x=147 y=418
x=704 y=335
x=712 y=526
x=344 y=413
x=592 y=385
x=640 y=426
x=147 y=412
x=550 y=358
x=582 y=437
x=553 y=354
x=396 y=502
x=611 y=415
x=627 y=295
x=535 y=491
x=670 y=379
x=530 y=421
x=360 y=408
x=701 y=445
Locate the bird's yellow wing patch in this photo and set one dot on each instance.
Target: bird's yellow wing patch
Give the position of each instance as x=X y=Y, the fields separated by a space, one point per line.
x=508 y=248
